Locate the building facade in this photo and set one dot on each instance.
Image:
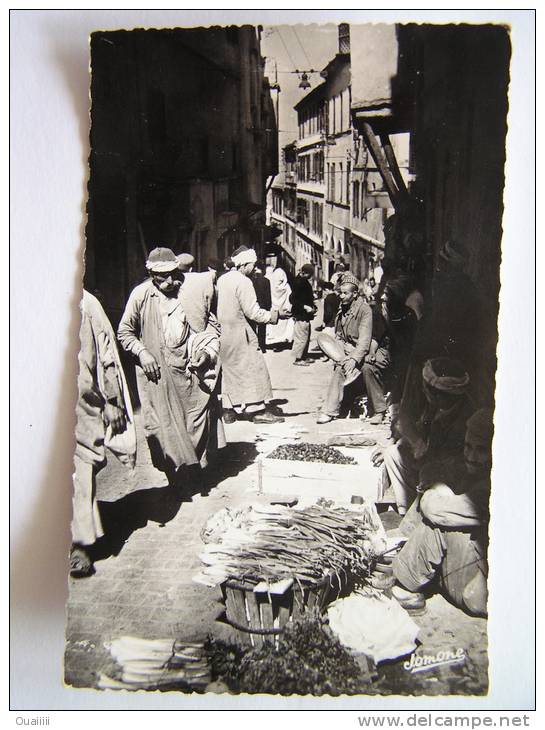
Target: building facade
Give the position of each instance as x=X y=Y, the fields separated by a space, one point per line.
x=183 y=140
x=282 y=209
x=341 y=201
x=311 y=183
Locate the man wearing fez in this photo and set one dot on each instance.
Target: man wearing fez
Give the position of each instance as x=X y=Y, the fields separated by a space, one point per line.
x=166 y=326
x=246 y=386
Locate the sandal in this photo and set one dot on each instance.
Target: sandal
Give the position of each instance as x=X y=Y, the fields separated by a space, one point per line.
x=81 y=565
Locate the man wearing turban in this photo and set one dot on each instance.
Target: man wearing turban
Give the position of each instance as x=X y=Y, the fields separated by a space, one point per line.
x=166 y=326
x=448 y=537
x=246 y=386
x=438 y=434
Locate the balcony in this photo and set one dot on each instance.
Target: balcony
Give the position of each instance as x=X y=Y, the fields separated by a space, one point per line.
x=313 y=187
x=311 y=236
x=316 y=139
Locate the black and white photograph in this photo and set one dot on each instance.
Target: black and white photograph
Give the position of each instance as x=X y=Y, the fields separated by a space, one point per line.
x=285 y=396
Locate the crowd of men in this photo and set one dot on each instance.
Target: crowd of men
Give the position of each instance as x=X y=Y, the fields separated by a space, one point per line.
x=197 y=341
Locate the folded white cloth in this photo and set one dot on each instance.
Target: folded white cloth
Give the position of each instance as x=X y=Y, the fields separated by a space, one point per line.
x=373 y=625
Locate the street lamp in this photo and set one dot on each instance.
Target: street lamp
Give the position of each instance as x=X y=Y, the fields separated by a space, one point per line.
x=304 y=83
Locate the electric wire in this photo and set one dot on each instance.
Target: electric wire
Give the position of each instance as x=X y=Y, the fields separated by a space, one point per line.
x=302 y=47
x=285 y=46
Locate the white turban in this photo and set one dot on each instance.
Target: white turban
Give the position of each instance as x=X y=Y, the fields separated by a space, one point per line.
x=245 y=257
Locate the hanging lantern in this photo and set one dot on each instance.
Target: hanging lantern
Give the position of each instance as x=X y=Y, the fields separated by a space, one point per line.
x=304 y=83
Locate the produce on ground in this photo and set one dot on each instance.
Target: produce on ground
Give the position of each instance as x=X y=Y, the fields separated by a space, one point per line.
x=271 y=544
x=309 y=660
x=156 y=664
x=311 y=452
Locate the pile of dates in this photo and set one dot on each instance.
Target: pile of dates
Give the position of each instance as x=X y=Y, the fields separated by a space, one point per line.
x=311 y=452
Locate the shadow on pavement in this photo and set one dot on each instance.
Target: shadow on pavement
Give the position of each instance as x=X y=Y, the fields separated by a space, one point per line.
x=228 y=462
x=132 y=512
x=161 y=504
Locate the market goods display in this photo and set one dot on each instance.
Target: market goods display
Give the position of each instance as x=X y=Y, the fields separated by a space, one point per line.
x=156 y=664
x=311 y=452
x=267 y=545
x=309 y=660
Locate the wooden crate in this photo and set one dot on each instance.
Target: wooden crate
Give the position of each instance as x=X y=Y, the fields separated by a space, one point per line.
x=261 y=616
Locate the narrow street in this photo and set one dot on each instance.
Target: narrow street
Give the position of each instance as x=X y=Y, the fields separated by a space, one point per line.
x=145 y=563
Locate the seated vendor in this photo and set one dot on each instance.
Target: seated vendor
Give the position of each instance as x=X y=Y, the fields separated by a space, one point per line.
x=437 y=434
x=448 y=539
x=363 y=354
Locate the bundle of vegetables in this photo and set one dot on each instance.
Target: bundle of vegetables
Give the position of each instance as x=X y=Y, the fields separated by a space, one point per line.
x=311 y=452
x=309 y=660
x=156 y=664
x=273 y=545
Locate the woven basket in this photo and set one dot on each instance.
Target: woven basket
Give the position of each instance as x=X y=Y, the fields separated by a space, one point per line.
x=262 y=616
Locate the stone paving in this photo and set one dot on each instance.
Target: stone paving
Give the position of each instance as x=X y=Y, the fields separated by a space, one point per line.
x=145 y=564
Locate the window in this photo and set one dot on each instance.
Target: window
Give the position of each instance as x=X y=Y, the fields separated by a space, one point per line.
x=341 y=182
x=348 y=168
x=317 y=218
x=277 y=202
x=356 y=199
x=303 y=212
x=332 y=190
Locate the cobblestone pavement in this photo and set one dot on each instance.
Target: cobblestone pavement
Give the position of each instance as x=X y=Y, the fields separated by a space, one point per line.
x=144 y=566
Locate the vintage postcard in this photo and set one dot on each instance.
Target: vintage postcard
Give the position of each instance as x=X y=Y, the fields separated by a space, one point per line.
x=288 y=353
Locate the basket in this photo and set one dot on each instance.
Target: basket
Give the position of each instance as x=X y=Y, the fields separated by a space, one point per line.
x=262 y=616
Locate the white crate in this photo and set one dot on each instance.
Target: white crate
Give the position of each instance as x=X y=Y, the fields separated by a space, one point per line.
x=316 y=479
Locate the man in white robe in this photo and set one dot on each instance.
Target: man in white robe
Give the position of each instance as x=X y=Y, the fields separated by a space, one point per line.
x=246 y=387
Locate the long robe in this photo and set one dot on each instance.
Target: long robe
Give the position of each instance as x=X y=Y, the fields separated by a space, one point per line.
x=280 y=294
x=245 y=375
x=100 y=381
x=181 y=416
